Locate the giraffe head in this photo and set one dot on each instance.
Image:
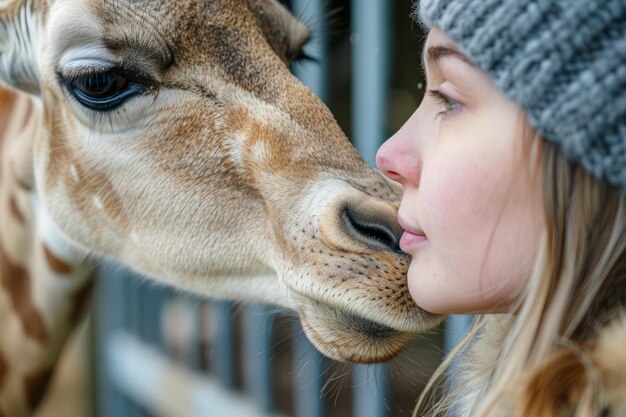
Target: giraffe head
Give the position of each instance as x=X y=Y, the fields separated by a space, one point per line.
x=173 y=138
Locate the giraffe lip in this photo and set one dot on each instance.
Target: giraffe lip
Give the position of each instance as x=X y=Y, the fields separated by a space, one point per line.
x=348 y=337
x=357 y=322
x=415 y=321
x=369 y=327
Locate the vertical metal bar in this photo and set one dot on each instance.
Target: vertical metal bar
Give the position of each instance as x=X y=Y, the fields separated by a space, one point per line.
x=223 y=342
x=308 y=362
x=455 y=329
x=371 y=388
x=152 y=301
x=194 y=359
x=370 y=62
x=370 y=73
x=308 y=371
x=313 y=74
x=110 y=315
x=135 y=301
x=257 y=355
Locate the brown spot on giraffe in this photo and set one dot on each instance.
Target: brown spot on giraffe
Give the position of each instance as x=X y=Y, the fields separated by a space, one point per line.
x=101 y=187
x=80 y=301
x=3 y=371
x=15 y=210
x=35 y=387
x=7 y=100
x=55 y=263
x=16 y=281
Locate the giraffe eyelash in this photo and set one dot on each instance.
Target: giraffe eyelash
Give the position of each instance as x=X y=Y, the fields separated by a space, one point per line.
x=101 y=88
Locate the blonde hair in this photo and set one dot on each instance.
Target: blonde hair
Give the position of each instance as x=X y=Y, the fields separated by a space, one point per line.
x=577 y=284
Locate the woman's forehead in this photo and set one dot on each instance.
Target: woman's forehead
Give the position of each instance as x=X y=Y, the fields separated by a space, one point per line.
x=439 y=45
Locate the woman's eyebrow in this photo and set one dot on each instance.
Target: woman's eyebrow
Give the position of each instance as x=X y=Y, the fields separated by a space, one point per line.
x=435 y=53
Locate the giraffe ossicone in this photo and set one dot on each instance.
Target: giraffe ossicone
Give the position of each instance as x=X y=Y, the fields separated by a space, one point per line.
x=171 y=137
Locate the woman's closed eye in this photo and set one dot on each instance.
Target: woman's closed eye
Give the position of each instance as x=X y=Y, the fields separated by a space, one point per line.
x=448 y=104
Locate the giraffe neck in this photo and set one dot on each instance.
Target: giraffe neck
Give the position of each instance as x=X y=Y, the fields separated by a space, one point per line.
x=42 y=284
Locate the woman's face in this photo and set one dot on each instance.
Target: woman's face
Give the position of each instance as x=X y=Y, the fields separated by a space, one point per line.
x=472 y=208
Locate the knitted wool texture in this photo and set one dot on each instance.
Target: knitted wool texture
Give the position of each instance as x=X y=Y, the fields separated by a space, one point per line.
x=562 y=61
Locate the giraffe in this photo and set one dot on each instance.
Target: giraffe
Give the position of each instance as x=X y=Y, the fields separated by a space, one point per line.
x=171 y=137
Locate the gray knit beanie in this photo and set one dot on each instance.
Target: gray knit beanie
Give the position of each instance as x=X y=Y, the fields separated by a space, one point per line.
x=562 y=61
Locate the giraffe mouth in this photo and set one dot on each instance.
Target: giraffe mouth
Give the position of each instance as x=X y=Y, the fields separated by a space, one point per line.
x=348 y=337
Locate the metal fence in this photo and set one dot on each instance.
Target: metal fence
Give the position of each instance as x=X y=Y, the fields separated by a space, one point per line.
x=161 y=353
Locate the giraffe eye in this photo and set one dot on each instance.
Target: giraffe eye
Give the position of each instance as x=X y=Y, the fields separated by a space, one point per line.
x=101 y=90
x=99 y=85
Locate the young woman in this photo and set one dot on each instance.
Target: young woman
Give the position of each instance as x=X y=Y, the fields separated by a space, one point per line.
x=514 y=171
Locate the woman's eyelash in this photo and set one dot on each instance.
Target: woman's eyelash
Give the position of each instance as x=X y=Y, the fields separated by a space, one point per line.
x=448 y=103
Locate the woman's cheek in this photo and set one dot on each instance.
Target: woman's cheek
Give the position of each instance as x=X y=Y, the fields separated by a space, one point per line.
x=455 y=207
x=429 y=272
x=456 y=203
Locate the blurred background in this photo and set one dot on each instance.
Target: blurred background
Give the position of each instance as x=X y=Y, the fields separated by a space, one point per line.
x=151 y=351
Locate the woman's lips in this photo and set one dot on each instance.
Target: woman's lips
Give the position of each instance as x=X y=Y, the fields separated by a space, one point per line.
x=409 y=242
x=412 y=238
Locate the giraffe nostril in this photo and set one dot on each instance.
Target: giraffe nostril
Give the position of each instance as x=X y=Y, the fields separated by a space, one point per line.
x=376 y=230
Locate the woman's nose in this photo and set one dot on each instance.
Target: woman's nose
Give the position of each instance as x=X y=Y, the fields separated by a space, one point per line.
x=401 y=157
x=386 y=161
x=398 y=160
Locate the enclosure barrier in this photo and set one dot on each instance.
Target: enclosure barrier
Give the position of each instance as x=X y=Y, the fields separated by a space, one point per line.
x=138 y=374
